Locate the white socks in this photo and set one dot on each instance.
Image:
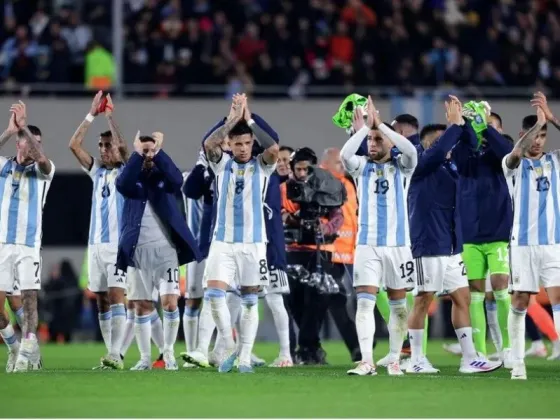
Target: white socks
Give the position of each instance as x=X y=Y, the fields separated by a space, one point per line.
x=365 y=325
x=171 y=323
x=206 y=327
x=19 y=318
x=9 y=336
x=190 y=327
x=220 y=313
x=493 y=324
x=157 y=330
x=105 y=327
x=397 y=328
x=233 y=300
x=128 y=334
x=118 y=321
x=143 y=332
x=275 y=302
x=464 y=335
x=416 y=338
x=516 y=330
x=248 y=326
x=556 y=317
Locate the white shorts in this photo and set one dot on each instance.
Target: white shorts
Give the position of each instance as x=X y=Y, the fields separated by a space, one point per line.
x=20 y=268
x=278 y=283
x=237 y=264
x=441 y=274
x=534 y=265
x=388 y=267
x=102 y=268
x=195 y=279
x=156 y=268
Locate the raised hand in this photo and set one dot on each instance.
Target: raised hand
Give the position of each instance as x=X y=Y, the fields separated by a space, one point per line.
x=541 y=116
x=246 y=110
x=236 y=110
x=20 y=114
x=158 y=137
x=138 y=144
x=12 y=126
x=539 y=101
x=373 y=119
x=94 y=110
x=109 y=106
x=453 y=111
x=357 y=119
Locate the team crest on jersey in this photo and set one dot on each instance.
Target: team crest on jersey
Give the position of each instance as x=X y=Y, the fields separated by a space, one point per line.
x=379 y=172
x=539 y=171
x=17 y=175
x=240 y=172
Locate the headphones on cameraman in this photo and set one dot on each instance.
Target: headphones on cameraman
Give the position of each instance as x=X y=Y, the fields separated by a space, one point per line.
x=304 y=153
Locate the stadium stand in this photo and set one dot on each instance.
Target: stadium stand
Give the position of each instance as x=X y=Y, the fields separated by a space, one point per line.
x=294 y=43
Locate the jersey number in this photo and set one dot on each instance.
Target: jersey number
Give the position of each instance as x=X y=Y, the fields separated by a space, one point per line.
x=464 y=269
x=263 y=269
x=407 y=269
x=502 y=254
x=239 y=185
x=105 y=191
x=37 y=268
x=543 y=184
x=381 y=186
x=173 y=274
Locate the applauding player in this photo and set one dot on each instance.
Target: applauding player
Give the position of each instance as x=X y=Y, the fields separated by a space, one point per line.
x=383 y=257
x=533 y=180
x=238 y=250
x=104 y=279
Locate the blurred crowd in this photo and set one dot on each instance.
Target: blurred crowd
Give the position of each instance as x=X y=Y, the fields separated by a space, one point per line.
x=293 y=43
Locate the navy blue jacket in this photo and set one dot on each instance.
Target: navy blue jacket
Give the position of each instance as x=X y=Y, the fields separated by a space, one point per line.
x=433 y=200
x=276 y=247
x=197 y=185
x=486 y=209
x=160 y=187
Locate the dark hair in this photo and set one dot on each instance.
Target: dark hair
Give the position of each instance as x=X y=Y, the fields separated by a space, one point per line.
x=407 y=119
x=497 y=116
x=390 y=126
x=240 y=129
x=508 y=138
x=430 y=129
x=288 y=148
x=106 y=134
x=303 y=154
x=529 y=121
x=33 y=129
x=144 y=139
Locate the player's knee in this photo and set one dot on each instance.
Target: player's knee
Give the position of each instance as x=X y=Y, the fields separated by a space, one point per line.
x=250 y=299
x=372 y=290
x=115 y=296
x=193 y=303
x=461 y=298
x=103 y=302
x=395 y=294
x=520 y=300
x=553 y=295
x=499 y=281
x=250 y=290
x=217 y=284
x=422 y=302
x=4 y=319
x=477 y=286
x=169 y=302
x=143 y=307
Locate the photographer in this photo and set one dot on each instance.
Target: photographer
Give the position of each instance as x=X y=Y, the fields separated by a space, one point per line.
x=312 y=215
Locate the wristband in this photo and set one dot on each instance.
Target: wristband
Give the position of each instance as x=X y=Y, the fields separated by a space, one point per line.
x=89 y=118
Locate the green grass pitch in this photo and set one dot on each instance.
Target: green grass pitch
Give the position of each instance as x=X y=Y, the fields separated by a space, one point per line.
x=67 y=387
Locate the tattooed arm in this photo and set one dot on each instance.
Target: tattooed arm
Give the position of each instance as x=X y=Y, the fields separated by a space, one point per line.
x=116 y=134
x=213 y=144
x=524 y=143
x=85 y=159
x=8 y=132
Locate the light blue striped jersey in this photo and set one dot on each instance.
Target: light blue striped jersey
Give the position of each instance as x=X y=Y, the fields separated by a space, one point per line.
x=241 y=190
x=106 y=204
x=535 y=190
x=23 y=191
x=382 y=202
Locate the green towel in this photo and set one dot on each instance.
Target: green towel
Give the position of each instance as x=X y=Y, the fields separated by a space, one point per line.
x=343 y=117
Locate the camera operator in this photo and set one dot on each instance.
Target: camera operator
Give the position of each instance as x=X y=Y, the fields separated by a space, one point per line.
x=311 y=229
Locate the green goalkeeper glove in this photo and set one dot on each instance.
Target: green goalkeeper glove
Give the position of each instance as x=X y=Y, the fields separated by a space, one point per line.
x=476 y=113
